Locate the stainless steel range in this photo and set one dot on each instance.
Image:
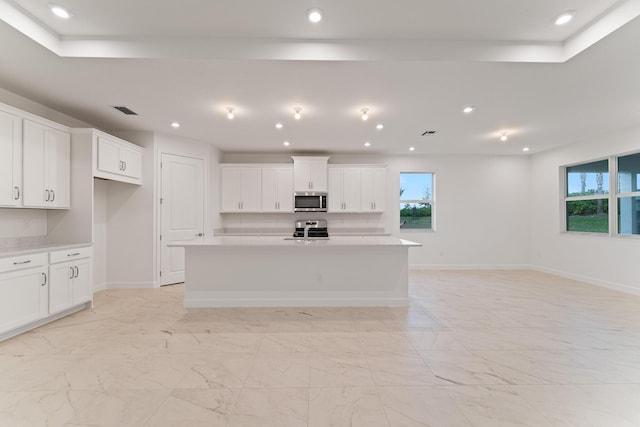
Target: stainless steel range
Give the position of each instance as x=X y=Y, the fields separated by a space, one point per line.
x=311 y=229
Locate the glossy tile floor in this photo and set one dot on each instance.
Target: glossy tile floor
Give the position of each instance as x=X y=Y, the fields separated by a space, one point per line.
x=506 y=348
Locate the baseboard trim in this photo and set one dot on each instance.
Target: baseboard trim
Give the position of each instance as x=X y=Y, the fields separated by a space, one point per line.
x=469 y=267
x=589 y=280
x=24 y=328
x=130 y=285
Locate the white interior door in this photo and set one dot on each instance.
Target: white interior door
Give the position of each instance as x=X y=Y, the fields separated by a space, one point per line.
x=181 y=211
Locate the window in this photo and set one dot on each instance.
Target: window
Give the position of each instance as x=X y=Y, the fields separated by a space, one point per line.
x=586 y=197
x=416 y=201
x=628 y=194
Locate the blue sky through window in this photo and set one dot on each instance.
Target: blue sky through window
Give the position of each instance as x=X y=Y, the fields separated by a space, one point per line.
x=416 y=185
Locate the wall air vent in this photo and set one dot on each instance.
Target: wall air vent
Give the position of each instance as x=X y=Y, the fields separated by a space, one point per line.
x=126 y=110
x=429 y=132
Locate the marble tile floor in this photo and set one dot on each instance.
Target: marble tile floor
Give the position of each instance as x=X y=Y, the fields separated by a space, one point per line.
x=474 y=348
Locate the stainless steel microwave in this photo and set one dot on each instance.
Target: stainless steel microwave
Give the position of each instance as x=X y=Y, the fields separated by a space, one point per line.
x=308 y=201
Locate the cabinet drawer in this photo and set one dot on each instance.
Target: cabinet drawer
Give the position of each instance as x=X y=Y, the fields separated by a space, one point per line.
x=23 y=261
x=69 y=254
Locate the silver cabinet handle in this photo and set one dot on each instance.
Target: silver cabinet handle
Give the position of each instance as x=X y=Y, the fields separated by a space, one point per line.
x=74 y=254
x=125 y=166
x=22 y=262
x=374 y=205
x=53 y=195
x=17 y=193
x=71 y=273
x=48 y=193
x=77 y=271
x=44 y=279
x=120 y=162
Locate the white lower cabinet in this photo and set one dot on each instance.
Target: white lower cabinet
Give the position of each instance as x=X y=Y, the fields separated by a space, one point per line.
x=36 y=287
x=70 y=281
x=23 y=297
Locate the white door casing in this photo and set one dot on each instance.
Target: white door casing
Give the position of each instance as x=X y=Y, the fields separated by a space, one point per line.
x=181 y=211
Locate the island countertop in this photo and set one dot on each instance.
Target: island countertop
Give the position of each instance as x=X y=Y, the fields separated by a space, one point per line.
x=279 y=241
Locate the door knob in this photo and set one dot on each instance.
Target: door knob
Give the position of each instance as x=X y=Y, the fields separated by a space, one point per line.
x=199 y=234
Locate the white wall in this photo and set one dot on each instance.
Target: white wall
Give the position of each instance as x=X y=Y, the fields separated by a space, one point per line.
x=131 y=223
x=100 y=235
x=482 y=208
x=597 y=259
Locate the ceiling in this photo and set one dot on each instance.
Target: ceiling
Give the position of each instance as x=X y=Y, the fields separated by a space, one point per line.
x=413 y=63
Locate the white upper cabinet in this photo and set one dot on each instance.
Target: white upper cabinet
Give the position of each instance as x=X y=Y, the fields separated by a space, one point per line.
x=117 y=160
x=373 y=184
x=310 y=173
x=277 y=189
x=344 y=189
x=46 y=166
x=10 y=159
x=240 y=189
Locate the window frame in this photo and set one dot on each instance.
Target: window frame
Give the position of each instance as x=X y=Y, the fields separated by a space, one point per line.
x=431 y=201
x=617 y=195
x=609 y=196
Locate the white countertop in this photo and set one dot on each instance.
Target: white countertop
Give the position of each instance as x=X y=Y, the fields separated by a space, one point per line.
x=279 y=241
x=45 y=247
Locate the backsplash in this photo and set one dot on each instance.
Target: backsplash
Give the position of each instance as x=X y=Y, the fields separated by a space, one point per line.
x=22 y=227
x=282 y=224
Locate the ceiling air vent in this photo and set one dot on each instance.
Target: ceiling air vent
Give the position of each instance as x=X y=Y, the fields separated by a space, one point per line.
x=126 y=110
x=429 y=132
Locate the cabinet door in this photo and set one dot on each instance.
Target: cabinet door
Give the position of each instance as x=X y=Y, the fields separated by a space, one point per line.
x=229 y=190
x=318 y=175
x=23 y=297
x=301 y=175
x=250 y=189
x=366 y=190
x=109 y=156
x=269 y=190
x=285 y=190
x=131 y=162
x=336 y=199
x=60 y=278
x=57 y=167
x=379 y=189
x=81 y=285
x=33 y=166
x=351 y=189
x=10 y=160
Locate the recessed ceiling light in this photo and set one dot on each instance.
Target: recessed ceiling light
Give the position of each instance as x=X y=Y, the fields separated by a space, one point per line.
x=565 y=17
x=59 y=11
x=367 y=144
x=468 y=109
x=230 y=114
x=297 y=115
x=278 y=125
x=525 y=149
x=175 y=125
x=412 y=148
x=504 y=136
x=365 y=114
x=380 y=126
x=314 y=15
x=286 y=143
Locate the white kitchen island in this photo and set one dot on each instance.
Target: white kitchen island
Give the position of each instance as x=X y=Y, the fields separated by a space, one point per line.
x=269 y=271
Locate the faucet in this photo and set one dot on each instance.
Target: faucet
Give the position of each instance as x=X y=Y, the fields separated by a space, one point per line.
x=306 y=231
